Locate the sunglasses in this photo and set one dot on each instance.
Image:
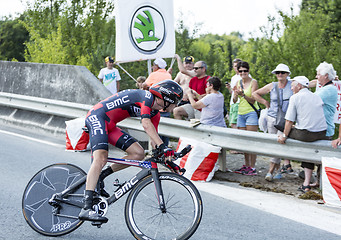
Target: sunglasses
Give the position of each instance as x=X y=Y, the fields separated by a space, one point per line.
x=196 y=68
x=280 y=72
x=243 y=71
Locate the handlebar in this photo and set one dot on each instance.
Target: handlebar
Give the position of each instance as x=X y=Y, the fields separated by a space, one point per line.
x=159 y=157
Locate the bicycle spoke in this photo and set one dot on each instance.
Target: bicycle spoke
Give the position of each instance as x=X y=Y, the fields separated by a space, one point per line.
x=183 y=209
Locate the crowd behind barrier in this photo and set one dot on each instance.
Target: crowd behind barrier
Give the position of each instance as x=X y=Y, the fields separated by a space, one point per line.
x=204 y=131
x=227 y=138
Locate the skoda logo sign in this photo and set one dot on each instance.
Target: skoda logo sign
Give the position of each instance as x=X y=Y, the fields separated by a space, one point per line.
x=147 y=30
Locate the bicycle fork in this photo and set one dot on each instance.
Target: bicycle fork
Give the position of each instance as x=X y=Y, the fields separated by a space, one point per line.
x=159 y=192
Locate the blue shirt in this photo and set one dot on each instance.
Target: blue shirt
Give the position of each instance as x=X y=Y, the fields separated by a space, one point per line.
x=328 y=95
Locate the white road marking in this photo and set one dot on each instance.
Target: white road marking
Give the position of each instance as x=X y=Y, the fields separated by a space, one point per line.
x=303 y=211
x=32 y=139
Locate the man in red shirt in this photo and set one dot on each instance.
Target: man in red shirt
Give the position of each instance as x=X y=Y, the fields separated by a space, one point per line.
x=198 y=85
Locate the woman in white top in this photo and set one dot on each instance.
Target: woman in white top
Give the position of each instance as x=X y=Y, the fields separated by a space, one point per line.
x=212 y=105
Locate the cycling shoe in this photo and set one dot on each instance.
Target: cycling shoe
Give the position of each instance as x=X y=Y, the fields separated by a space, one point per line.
x=91 y=215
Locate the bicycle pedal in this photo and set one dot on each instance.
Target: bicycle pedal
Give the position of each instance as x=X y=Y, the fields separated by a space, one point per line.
x=97 y=224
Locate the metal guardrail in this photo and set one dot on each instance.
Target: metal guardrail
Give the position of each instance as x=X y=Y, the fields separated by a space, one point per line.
x=227 y=138
x=43 y=105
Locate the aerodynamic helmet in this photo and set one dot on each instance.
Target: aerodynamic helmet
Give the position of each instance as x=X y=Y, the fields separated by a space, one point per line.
x=169 y=91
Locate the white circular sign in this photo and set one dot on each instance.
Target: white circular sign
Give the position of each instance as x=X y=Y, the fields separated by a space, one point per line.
x=147 y=29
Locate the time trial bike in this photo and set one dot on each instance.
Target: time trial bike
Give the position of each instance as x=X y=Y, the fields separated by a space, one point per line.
x=160 y=205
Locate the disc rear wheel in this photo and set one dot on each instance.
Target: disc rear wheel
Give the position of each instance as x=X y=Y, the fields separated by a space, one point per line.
x=61 y=218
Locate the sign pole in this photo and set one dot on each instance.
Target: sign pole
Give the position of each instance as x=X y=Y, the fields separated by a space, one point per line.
x=149 y=65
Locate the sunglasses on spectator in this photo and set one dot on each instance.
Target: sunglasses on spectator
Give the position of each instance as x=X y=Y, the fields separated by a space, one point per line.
x=241 y=71
x=281 y=72
x=196 y=68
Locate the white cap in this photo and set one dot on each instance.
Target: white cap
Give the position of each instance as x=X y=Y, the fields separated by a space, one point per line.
x=304 y=81
x=281 y=68
x=160 y=62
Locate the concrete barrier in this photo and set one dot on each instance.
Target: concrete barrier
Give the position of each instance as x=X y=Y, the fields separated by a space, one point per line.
x=74 y=84
x=53 y=81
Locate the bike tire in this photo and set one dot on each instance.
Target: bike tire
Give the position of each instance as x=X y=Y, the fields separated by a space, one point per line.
x=183 y=203
x=36 y=209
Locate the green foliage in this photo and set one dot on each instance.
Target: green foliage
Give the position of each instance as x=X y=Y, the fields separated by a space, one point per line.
x=305 y=42
x=45 y=50
x=80 y=30
x=12 y=38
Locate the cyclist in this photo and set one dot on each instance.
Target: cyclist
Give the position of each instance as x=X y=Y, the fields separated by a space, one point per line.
x=101 y=122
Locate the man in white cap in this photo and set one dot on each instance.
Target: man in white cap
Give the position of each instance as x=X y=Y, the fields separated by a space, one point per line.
x=306 y=111
x=159 y=73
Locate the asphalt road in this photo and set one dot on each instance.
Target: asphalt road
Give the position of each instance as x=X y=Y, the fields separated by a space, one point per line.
x=228 y=213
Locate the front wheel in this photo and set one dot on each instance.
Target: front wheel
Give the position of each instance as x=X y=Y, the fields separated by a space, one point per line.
x=183 y=212
x=61 y=218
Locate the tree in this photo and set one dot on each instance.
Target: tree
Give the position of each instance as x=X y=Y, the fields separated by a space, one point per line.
x=83 y=29
x=12 y=38
x=46 y=50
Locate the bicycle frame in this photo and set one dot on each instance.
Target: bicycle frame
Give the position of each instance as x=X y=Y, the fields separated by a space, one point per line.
x=148 y=168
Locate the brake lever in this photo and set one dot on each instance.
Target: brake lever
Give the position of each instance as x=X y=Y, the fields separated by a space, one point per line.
x=159 y=157
x=184 y=151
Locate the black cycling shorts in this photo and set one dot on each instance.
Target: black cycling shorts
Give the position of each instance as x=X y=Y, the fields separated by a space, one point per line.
x=100 y=136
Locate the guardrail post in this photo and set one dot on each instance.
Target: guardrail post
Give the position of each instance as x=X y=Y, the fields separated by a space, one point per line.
x=222 y=160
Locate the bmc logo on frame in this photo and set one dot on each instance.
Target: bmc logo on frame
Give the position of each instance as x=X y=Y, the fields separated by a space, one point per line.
x=147 y=30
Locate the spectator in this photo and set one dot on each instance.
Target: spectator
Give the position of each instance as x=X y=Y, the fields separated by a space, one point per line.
x=233 y=106
x=284 y=89
x=198 y=85
x=328 y=93
x=247 y=116
x=139 y=82
x=306 y=109
x=212 y=104
x=159 y=73
x=337 y=142
x=184 y=79
x=110 y=76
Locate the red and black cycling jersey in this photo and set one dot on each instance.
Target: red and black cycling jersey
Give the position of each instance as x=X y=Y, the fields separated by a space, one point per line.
x=127 y=103
x=103 y=117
